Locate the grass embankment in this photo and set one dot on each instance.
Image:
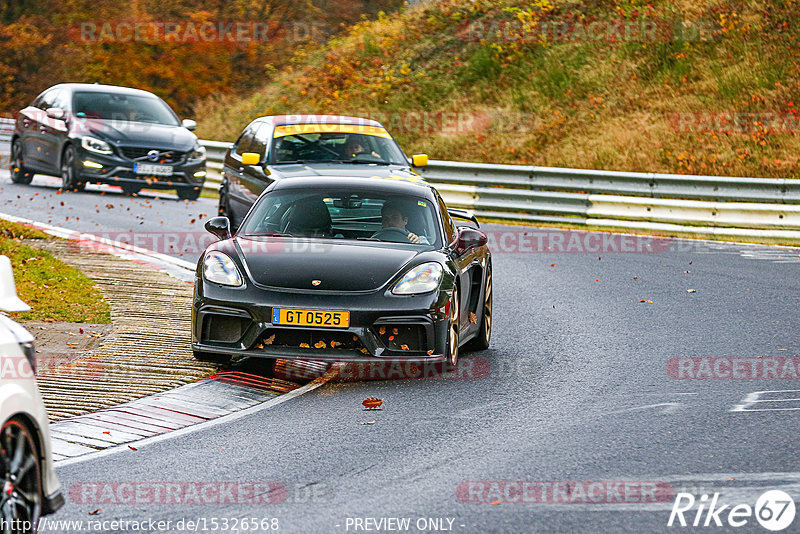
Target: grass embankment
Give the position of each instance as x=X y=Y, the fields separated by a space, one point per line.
x=696 y=95
x=53 y=290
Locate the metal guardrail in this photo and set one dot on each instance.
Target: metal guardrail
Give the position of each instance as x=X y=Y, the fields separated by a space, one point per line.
x=6 y=130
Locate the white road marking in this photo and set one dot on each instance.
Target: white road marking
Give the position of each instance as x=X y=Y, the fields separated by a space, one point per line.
x=758 y=396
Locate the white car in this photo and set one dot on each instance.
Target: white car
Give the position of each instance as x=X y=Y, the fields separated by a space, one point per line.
x=30 y=488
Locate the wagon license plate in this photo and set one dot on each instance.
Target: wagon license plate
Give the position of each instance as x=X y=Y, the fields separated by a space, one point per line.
x=152 y=170
x=321 y=318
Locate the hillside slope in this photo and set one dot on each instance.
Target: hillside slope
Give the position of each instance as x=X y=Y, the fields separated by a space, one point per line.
x=685 y=87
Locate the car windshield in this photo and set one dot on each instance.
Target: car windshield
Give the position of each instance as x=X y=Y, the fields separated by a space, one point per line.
x=122 y=107
x=362 y=145
x=347 y=215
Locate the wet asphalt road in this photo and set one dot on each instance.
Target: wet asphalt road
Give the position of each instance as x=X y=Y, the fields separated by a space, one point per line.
x=577 y=387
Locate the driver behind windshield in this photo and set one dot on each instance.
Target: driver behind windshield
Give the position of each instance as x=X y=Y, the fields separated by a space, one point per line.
x=394 y=217
x=354 y=148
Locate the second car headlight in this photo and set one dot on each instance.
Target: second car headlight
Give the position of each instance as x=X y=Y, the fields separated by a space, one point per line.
x=199 y=152
x=92 y=144
x=220 y=268
x=421 y=279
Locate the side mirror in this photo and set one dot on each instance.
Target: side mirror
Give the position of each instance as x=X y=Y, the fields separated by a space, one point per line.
x=469 y=238
x=189 y=124
x=219 y=226
x=251 y=158
x=56 y=113
x=419 y=160
x=9 y=301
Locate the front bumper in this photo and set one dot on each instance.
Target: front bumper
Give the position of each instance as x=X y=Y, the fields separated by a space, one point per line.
x=383 y=327
x=117 y=170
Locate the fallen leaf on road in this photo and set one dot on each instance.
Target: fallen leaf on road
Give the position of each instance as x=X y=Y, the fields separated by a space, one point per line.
x=372 y=402
x=496 y=502
x=368 y=422
x=731 y=478
x=552 y=265
x=691 y=291
x=132 y=448
x=95 y=512
x=80 y=330
x=106 y=432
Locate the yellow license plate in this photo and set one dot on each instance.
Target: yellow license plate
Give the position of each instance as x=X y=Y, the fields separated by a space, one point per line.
x=322 y=318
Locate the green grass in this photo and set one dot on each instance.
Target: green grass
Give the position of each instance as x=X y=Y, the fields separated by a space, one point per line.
x=53 y=290
x=11 y=230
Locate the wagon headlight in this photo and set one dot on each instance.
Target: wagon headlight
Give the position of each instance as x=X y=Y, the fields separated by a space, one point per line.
x=92 y=144
x=220 y=269
x=421 y=279
x=199 y=152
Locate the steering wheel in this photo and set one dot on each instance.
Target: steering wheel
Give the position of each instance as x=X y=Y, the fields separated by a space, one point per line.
x=392 y=234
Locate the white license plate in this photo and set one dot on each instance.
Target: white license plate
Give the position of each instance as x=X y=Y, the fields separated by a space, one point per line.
x=152 y=170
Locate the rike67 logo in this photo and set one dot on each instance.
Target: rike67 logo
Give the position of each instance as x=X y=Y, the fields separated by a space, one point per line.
x=774 y=510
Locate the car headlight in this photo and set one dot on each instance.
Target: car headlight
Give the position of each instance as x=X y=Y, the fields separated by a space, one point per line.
x=199 y=152
x=92 y=144
x=220 y=269
x=421 y=279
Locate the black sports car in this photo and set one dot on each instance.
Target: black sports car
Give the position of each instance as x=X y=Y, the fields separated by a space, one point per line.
x=344 y=269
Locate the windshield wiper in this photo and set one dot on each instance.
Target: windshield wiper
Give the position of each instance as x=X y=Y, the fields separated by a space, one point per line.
x=268 y=234
x=366 y=161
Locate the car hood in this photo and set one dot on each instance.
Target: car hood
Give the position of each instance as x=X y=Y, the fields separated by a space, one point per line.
x=342 y=169
x=291 y=263
x=142 y=134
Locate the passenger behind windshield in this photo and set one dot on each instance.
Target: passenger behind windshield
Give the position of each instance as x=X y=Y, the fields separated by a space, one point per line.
x=335 y=147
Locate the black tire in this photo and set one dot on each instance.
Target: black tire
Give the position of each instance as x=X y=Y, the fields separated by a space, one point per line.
x=21 y=469
x=453 y=331
x=484 y=335
x=70 y=175
x=131 y=189
x=19 y=174
x=211 y=357
x=189 y=194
